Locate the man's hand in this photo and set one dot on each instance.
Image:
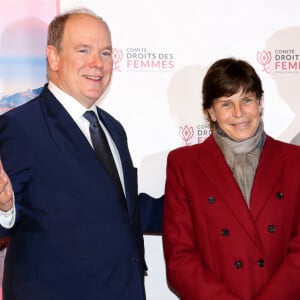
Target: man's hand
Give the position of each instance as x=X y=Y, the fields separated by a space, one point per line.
x=6 y=191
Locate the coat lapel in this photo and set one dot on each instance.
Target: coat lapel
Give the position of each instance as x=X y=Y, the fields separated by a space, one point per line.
x=266 y=176
x=223 y=182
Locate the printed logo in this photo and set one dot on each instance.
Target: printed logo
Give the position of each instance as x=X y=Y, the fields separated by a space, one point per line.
x=264 y=58
x=188 y=136
x=279 y=60
x=117 y=56
x=186 y=133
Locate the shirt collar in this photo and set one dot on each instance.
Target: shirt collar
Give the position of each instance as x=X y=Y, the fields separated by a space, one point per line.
x=71 y=105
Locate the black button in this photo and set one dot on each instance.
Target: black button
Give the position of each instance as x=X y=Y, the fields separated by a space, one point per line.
x=271 y=228
x=225 y=232
x=279 y=195
x=261 y=263
x=238 y=264
x=211 y=200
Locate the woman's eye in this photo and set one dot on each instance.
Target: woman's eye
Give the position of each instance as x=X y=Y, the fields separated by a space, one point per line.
x=106 y=53
x=226 y=104
x=248 y=100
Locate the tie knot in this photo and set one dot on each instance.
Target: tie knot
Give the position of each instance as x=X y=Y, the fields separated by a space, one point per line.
x=91 y=116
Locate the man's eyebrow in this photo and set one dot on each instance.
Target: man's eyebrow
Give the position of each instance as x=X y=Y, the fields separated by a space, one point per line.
x=83 y=45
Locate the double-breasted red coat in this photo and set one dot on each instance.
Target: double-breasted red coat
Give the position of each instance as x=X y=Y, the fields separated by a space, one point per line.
x=218 y=248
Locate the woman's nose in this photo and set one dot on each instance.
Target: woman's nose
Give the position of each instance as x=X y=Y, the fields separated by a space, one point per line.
x=237 y=111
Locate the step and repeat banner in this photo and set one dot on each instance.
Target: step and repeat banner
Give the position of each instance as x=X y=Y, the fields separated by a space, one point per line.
x=162 y=49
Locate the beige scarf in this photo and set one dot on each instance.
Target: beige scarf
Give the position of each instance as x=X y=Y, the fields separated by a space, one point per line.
x=242 y=157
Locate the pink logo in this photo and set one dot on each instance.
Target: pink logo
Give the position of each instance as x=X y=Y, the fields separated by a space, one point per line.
x=264 y=58
x=117 y=56
x=186 y=133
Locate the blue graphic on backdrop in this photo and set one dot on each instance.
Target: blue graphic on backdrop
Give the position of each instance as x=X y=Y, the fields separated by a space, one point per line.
x=9 y=102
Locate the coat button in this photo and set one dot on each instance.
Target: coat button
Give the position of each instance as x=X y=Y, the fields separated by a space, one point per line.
x=271 y=228
x=211 y=200
x=261 y=263
x=238 y=264
x=225 y=232
x=279 y=195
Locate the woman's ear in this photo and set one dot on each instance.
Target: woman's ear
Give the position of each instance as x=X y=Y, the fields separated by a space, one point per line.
x=261 y=108
x=211 y=114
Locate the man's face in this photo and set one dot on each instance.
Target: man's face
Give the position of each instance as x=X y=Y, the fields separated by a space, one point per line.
x=83 y=67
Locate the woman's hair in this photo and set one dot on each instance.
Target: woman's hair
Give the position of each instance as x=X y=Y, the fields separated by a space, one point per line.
x=226 y=77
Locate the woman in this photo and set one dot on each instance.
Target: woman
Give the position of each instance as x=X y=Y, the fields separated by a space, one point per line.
x=232 y=204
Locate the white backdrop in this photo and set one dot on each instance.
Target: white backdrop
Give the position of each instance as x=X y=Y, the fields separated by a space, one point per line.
x=162 y=50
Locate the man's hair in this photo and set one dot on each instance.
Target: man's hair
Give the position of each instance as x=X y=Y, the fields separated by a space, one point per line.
x=57 y=25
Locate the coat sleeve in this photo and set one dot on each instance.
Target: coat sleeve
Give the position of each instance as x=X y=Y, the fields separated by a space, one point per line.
x=186 y=272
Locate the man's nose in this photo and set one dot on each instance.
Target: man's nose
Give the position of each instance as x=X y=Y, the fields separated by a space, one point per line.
x=96 y=61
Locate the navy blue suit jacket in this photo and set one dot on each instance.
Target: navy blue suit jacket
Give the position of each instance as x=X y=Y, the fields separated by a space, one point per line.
x=72 y=239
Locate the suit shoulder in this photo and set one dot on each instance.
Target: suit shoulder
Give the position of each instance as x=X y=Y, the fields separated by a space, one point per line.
x=23 y=108
x=29 y=108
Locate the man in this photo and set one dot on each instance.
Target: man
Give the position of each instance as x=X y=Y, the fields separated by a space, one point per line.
x=73 y=233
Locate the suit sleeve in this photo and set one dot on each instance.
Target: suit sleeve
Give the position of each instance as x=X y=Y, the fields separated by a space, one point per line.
x=151 y=213
x=186 y=272
x=16 y=157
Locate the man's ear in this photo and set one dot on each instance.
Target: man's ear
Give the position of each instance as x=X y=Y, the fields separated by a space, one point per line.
x=52 y=57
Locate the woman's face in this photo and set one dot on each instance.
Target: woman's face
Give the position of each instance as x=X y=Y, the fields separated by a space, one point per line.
x=238 y=115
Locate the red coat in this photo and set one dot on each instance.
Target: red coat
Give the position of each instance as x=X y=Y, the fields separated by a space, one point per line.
x=215 y=247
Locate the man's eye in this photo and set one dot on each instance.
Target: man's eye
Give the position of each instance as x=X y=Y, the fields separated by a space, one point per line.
x=82 y=51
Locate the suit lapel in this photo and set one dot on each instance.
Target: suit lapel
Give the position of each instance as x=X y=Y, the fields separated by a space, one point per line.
x=64 y=131
x=126 y=162
x=222 y=181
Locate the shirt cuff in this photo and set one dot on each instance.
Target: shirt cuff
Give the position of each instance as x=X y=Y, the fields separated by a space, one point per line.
x=7 y=218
